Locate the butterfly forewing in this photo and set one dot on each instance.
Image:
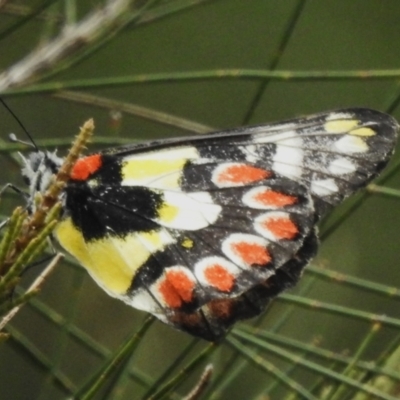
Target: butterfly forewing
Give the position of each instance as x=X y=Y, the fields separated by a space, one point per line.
x=204 y=231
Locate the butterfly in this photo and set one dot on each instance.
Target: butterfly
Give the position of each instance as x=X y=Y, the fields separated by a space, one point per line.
x=205 y=231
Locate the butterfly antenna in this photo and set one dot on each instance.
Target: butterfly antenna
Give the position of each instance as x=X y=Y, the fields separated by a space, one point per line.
x=12 y=137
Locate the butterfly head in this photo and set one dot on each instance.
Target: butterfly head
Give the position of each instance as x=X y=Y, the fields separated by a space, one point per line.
x=38 y=170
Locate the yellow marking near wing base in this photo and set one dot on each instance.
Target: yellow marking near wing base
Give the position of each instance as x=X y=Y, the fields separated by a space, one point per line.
x=167 y=212
x=340 y=126
x=148 y=169
x=155 y=240
x=112 y=261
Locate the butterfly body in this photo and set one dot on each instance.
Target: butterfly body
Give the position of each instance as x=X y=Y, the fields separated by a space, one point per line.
x=204 y=231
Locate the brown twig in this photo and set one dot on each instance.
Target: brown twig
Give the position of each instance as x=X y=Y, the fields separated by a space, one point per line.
x=201 y=385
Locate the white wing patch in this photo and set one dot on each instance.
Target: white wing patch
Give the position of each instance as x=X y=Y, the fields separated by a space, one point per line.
x=324 y=187
x=350 y=144
x=288 y=157
x=188 y=211
x=341 y=166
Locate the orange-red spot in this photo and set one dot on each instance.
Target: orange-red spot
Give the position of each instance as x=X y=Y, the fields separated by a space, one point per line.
x=252 y=253
x=281 y=227
x=242 y=174
x=219 y=277
x=176 y=288
x=86 y=166
x=275 y=199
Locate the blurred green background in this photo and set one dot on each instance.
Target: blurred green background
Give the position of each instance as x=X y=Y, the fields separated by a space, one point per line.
x=59 y=341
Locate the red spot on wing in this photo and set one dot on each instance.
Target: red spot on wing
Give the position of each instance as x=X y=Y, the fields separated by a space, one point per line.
x=219 y=277
x=252 y=253
x=281 y=227
x=176 y=288
x=86 y=166
x=276 y=199
x=241 y=174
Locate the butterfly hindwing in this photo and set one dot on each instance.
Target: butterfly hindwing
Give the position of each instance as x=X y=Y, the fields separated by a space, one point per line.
x=204 y=231
x=212 y=320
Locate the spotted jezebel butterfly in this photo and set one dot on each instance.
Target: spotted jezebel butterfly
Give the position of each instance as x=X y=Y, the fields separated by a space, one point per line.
x=204 y=231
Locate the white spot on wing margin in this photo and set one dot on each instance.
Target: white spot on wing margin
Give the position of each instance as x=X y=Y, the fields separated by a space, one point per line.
x=324 y=187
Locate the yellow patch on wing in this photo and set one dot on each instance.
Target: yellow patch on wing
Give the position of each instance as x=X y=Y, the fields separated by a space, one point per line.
x=340 y=126
x=167 y=212
x=159 y=169
x=362 y=132
x=187 y=243
x=112 y=261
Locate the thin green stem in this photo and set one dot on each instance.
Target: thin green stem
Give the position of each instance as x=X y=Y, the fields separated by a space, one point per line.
x=340 y=310
x=315 y=368
x=378 y=288
x=316 y=351
x=287 y=35
x=124 y=351
x=372 y=188
x=28 y=349
x=157 y=383
x=163 y=392
x=171 y=77
x=270 y=368
x=22 y=21
x=136 y=110
x=349 y=370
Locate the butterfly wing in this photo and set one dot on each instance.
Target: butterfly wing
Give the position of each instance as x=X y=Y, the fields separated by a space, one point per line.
x=332 y=154
x=204 y=231
x=214 y=319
